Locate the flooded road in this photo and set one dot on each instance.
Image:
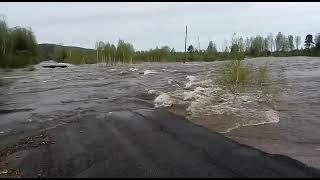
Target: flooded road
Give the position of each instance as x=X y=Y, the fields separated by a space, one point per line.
x=284 y=122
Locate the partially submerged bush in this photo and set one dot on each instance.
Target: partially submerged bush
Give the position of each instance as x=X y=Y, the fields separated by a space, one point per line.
x=236 y=74
x=262 y=75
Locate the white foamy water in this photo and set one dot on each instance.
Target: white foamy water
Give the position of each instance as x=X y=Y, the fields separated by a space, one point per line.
x=149 y=72
x=133 y=69
x=163 y=100
x=50 y=80
x=196 y=93
x=194 y=81
x=269 y=116
x=67 y=64
x=230 y=129
x=192 y=78
x=272 y=116
x=12 y=77
x=152 y=91
x=208 y=100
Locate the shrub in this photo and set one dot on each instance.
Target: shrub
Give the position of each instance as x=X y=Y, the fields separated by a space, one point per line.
x=236 y=74
x=262 y=75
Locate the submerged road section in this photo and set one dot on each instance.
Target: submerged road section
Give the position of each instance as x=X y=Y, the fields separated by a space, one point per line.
x=141 y=143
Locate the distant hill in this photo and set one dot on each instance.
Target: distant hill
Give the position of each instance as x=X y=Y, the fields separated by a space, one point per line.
x=47 y=51
x=52 y=46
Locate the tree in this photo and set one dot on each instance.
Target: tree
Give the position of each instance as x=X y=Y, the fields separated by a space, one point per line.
x=3 y=38
x=63 y=55
x=107 y=53
x=100 y=50
x=271 y=42
x=210 y=47
x=130 y=52
x=317 y=40
x=266 y=45
x=257 y=46
x=279 y=41
x=120 y=51
x=113 y=52
x=290 y=42
x=165 y=53
x=211 y=52
x=285 y=43
x=282 y=42
x=213 y=49
x=24 y=40
x=190 y=49
x=308 y=41
x=60 y=53
x=248 y=44
x=297 y=40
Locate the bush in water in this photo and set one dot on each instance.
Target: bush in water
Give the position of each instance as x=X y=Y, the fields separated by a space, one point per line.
x=236 y=74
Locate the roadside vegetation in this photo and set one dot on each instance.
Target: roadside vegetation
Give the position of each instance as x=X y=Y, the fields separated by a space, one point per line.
x=18 y=46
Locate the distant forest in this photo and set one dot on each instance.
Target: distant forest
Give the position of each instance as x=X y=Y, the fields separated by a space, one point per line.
x=19 y=48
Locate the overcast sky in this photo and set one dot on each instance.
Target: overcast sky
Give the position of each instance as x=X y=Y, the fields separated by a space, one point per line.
x=147 y=25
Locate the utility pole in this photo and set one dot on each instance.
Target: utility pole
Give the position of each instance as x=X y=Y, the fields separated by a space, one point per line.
x=97 y=49
x=185 y=40
x=198 y=44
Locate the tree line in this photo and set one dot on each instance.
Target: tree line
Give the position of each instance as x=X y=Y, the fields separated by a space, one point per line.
x=257 y=46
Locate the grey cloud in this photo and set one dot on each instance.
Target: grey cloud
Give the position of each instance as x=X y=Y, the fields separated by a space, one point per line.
x=155 y=24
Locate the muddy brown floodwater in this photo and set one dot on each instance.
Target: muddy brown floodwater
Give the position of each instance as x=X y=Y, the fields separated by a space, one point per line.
x=286 y=121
